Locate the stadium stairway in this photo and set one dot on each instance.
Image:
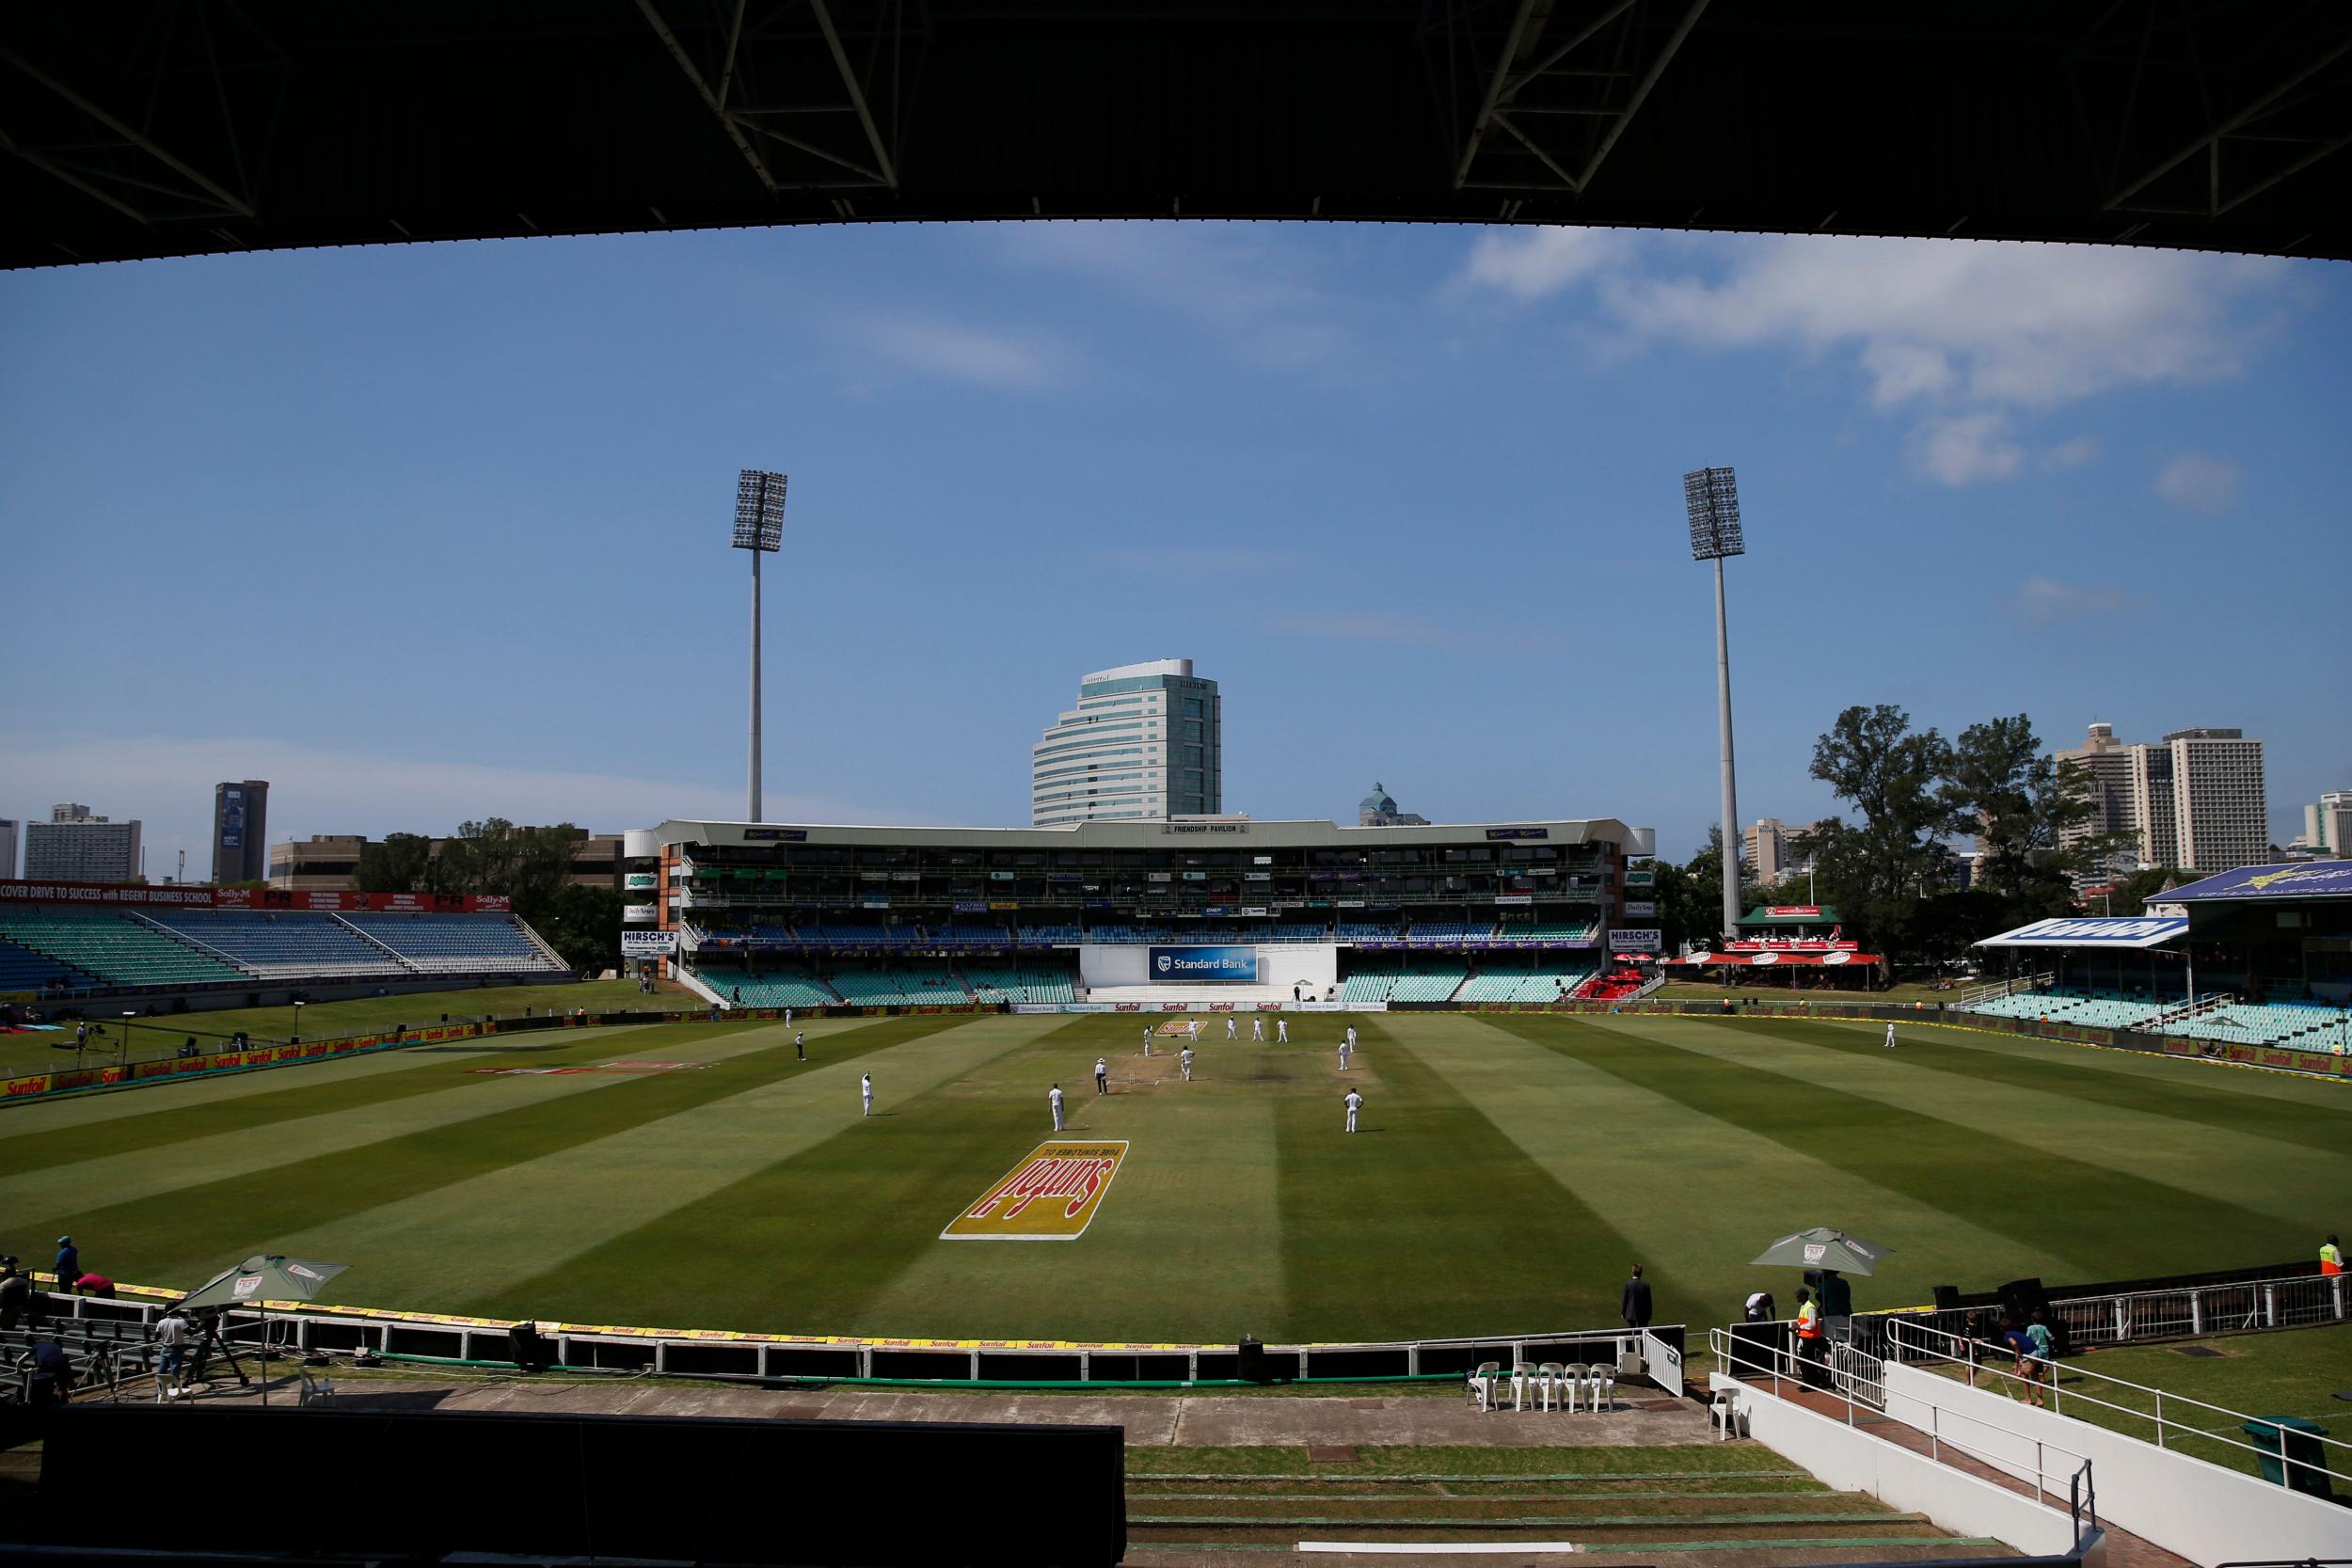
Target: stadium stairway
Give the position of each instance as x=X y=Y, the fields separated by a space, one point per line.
x=1765 y=1514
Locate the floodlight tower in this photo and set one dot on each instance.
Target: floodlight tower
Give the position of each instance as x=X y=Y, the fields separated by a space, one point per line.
x=759 y=528
x=1711 y=496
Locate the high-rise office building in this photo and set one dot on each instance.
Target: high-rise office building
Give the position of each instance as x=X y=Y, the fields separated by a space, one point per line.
x=2107 y=767
x=1767 y=846
x=2333 y=824
x=7 y=846
x=73 y=846
x=1145 y=740
x=2199 y=801
x=241 y=832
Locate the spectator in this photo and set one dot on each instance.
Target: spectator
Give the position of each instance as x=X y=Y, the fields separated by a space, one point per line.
x=16 y=1294
x=69 y=1264
x=95 y=1285
x=1633 y=1303
x=171 y=1359
x=53 y=1374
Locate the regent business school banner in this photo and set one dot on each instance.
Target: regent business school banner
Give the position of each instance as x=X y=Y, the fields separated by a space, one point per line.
x=1173 y=965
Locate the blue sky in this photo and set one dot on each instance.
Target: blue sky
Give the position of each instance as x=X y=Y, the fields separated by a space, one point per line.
x=427 y=533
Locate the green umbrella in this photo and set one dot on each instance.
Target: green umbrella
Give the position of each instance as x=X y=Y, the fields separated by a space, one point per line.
x=1823 y=1248
x=260 y=1280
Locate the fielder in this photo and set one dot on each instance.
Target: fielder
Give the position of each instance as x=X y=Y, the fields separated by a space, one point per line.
x=1351 y=1036
x=1055 y=1101
x=1195 y=1027
x=1281 y=1031
x=1102 y=1076
x=1185 y=1062
x=1890 y=1033
x=1228 y=1027
x=1345 y=1047
x=865 y=1090
x=1147 y=1040
x=1355 y=1102
x=788 y=1018
x=1257 y=1028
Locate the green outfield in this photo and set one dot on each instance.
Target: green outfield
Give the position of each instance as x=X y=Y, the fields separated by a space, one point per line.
x=1510 y=1168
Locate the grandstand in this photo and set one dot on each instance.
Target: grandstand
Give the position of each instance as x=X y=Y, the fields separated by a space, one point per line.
x=1140 y=913
x=115 y=950
x=276 y=946
x=59 y=943
x=1543 y=983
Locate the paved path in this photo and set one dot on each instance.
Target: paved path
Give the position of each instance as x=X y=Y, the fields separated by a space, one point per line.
x=1196 y=1420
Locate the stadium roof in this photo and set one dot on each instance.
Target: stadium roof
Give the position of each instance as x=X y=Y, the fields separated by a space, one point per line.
x=2269 y=884
x=2094 y=931
x=1169 y=834
x=175 y=127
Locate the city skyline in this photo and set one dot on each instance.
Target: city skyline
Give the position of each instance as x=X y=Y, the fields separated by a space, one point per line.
x=1978 y=478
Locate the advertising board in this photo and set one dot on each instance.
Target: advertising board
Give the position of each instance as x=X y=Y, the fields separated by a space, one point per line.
x=1643 y=938
x=648 y=944
x=639 y=881
x=1641 y=909
x=1225 y=965
x=640 y=914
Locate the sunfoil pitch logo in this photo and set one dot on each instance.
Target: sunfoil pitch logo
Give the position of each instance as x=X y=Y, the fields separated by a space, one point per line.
x=1225 y=965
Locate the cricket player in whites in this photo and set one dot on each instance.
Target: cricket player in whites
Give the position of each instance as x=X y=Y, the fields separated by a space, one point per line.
x=1184 y=1061
x=1355 y=1102
x=1281 y=1031
x=1257 y=1027
x=1347 y=1048
x=1193 y=1028
x=1147 y=1040
x=865 y=1090
x=1890 y=1033
x=1229 y=1028
x=1055 y=1101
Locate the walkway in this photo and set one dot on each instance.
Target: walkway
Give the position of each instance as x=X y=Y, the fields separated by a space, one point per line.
x=2124 y=1549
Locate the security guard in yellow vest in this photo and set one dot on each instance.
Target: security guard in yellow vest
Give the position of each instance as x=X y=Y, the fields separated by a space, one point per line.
x=2331 y=1256
x=1809 y=1342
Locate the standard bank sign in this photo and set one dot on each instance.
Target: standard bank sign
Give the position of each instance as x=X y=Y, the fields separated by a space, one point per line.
x=1196 y=964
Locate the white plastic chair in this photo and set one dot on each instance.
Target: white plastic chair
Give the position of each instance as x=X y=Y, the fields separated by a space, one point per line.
x=1724 y=1413
x=1482 y=1384
x=1551 y=1377
x=1523 y=1383
x=1571 y=1379
x=1602 y=1385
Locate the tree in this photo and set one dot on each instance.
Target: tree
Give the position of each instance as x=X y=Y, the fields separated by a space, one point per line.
x=1882 y=868
x=582 y=924
x=2024 y=805
x=1690 y=897
x=396 y=863
x=2133 y=894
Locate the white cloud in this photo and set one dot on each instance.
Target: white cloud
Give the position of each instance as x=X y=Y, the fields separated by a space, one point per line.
x=1959 y=336
x=168 y=783
x=2044 y=601
x=955 y=353
x=1247 y=282
x=1961 y=448
x=1530 y=263
x=2200 y=483
x=2072 y=455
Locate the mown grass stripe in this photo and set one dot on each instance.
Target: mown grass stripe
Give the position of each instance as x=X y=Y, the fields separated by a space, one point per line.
x=1502 y=1480
x=1430 y=1162
x=2012 y=1189
x=1186 y=1247
x=2306 y=1123
x=713 y=1188
x=451 y=1093
x=1485 y=1498
x=188 y=1232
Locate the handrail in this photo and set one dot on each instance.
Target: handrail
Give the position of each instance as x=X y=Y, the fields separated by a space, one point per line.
x=1724 y=1343
x=1923 y=1334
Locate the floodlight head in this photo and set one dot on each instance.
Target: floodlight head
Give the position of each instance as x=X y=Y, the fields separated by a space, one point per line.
x=1711 y=496
x=760 y=511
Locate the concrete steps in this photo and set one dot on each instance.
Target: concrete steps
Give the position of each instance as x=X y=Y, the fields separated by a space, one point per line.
x=1768 y=1517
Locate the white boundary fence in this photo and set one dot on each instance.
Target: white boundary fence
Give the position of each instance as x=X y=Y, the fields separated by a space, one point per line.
x=750 y=1358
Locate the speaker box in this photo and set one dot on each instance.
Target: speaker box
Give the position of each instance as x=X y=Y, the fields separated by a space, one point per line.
x=1254 y=1367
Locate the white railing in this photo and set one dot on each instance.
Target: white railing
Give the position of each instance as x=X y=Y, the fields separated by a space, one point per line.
x=1971 y=995
x=2059 y=1476
x=1920 y=1344
x=2193 y=1312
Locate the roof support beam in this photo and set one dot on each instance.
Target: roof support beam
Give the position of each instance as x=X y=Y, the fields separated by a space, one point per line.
x=718 y=107
x=2211 y=140
x=1641 y=94
x=857 y=94
x=154 y=149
